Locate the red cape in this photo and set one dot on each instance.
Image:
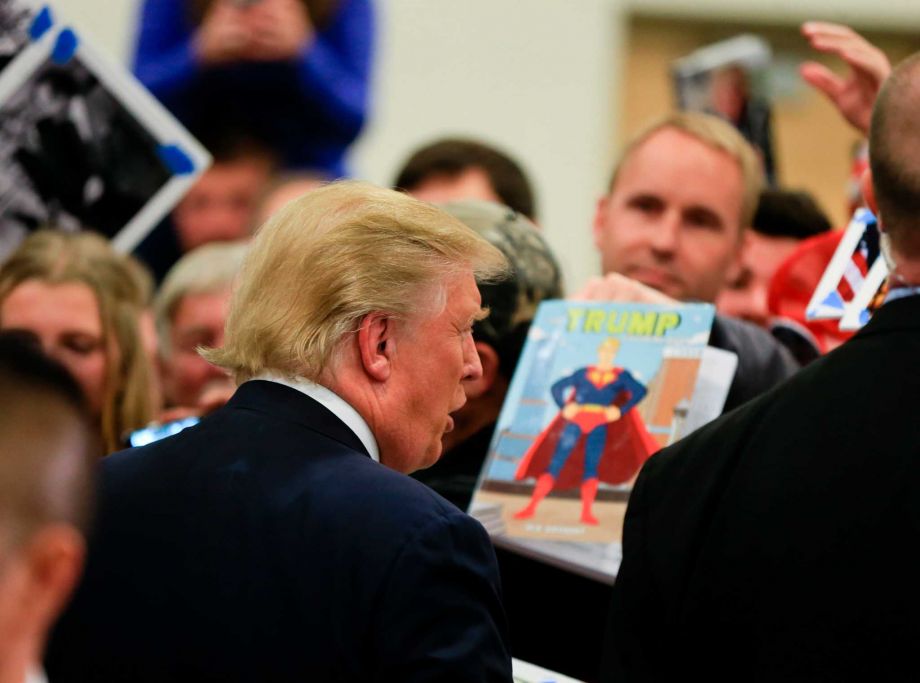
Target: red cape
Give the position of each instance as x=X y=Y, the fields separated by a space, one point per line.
x=627 y=447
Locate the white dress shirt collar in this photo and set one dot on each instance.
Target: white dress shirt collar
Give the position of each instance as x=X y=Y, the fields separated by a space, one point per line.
x=335 y=404
x=36 y=675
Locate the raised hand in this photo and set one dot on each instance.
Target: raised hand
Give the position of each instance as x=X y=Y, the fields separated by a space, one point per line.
x=855 y=94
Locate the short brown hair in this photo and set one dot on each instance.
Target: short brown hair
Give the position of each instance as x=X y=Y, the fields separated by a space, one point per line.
x=329 y=258
x=453 y=156
x=716 y=133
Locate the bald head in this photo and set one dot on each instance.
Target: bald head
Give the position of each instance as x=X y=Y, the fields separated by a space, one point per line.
x=894 y=156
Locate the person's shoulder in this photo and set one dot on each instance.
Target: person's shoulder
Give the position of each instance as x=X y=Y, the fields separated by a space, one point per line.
x=390 y=495
x=762 y=361
x=746 y=338
x=711 y=451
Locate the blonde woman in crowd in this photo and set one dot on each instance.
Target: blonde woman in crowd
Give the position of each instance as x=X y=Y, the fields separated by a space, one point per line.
x=85 y=302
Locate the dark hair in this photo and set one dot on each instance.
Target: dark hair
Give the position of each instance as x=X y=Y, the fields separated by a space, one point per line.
x=22 y=361
x=893 y=148
x=42 y=479
x=789 y=213
x=228 y=140
x=452 y=156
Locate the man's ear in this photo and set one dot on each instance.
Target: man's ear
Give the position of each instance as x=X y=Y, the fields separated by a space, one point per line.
x=55 y=557
x=600 y=220
x=376 y=345
x=868 y=193
x=736 y=265
x=488 y=358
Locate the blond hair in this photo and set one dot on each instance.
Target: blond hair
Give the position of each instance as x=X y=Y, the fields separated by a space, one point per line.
x=122 y=289
x=717 y=134
x=210 y=268
x=328 y=259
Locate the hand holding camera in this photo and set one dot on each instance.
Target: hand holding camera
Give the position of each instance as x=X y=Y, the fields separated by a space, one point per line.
x=253 y=30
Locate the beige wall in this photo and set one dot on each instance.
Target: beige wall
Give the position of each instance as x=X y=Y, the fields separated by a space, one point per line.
x=109 y=24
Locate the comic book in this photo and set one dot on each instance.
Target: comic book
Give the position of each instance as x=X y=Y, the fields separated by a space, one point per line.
x=599 y=387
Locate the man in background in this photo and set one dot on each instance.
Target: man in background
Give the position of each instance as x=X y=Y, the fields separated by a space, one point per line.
x=46 y=452
x=454 y=168
x=784 y=218
x=191 y=309
x=672 y=227
x=219 y=207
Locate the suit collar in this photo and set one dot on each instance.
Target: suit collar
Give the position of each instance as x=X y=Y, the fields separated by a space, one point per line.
x=294 y=406
x=901 y=314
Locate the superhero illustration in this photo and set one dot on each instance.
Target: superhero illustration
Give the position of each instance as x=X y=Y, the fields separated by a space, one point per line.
x=595 y=437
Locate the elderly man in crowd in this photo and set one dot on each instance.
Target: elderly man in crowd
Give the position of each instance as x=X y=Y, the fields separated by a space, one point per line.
x=777 y=542
x=672 y=226
x=279 y=539
x=191 y=311
x=46 y=451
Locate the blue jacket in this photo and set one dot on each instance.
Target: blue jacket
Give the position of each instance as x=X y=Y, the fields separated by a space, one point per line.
x=264 y=544
x=308 y=111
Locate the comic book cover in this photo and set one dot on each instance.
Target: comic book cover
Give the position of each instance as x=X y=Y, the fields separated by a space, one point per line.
x=600 y=386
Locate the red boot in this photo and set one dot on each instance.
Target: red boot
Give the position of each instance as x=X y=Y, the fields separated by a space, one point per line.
x=588 y=493
x=544 y=485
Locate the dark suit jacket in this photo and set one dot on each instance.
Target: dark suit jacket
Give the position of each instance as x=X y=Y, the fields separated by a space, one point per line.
x=265 y=545
x=763 y=362
x=780 y=542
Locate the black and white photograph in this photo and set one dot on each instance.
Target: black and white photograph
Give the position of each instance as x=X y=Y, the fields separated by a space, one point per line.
x=16 y=19
x=84 y=147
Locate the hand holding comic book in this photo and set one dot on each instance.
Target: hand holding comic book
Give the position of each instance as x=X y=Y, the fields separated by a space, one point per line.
x=616 y=287
x=869 y=67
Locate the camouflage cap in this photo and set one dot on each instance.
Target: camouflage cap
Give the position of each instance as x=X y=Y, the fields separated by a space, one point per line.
x=535 y=274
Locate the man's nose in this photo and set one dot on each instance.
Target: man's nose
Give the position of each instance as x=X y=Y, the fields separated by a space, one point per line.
x=666 y=234
x=472 y=369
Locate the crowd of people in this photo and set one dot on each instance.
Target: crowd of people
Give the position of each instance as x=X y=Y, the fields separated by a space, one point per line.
x=330 y=338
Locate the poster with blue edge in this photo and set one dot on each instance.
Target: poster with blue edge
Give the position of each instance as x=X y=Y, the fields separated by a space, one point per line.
x=83 y=145
x=599 y=387
x=22 y=24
